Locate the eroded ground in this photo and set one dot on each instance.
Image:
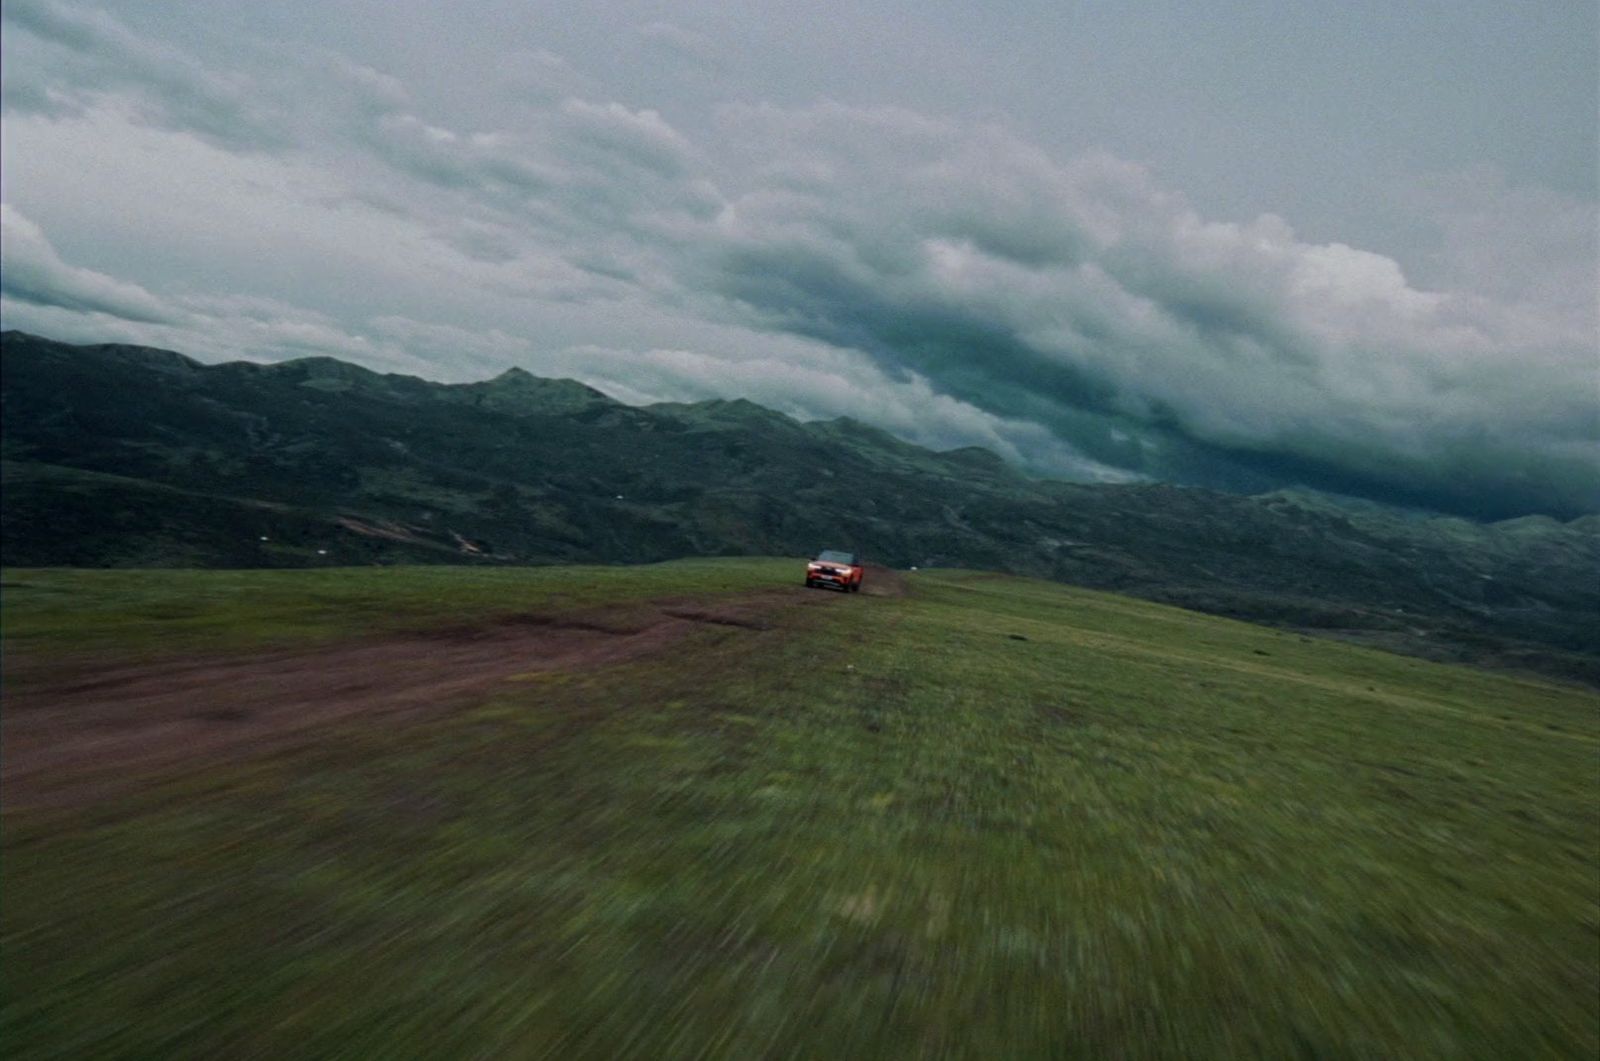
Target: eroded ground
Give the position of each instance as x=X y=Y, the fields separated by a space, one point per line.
x=74 y=732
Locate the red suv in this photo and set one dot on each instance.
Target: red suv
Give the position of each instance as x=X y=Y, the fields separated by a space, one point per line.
x=836 y=569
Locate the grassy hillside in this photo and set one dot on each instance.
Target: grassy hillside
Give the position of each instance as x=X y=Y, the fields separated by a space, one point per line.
x=990 y=817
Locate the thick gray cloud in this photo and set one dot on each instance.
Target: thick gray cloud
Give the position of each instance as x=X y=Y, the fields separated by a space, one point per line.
x=1020 y=284
x=947 y=278
x=34 y=273
x=164 y=84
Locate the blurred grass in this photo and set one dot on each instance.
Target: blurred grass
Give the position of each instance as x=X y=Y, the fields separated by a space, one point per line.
x=65 y=611
x=996 y=818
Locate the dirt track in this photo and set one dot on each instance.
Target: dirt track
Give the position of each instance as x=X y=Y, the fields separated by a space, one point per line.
x=71 y=738
x=883 y=582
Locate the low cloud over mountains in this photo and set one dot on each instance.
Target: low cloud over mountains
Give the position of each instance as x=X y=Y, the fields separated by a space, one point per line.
x=945 y=278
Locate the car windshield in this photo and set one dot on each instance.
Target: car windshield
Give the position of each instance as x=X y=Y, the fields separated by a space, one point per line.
x=834 y=556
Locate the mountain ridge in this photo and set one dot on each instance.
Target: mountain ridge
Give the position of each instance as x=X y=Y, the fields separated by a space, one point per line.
x=293 y=463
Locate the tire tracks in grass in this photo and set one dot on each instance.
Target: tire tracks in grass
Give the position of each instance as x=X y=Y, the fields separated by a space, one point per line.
x=78 y=734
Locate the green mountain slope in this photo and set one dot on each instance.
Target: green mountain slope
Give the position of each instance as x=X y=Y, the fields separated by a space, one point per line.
x=320 y=462
x=699 y=811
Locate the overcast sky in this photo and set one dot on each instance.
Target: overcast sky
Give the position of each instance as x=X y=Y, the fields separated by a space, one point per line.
x=1230 y=243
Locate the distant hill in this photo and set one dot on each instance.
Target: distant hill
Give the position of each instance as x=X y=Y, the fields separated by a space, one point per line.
x=126 y=456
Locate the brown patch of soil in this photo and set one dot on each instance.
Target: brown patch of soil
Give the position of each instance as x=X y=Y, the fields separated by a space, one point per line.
x=70 y=737
x=389 y=531
x=882 y=582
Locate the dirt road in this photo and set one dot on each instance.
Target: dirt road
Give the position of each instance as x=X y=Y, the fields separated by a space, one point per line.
x=74 y=735
x=882 y=582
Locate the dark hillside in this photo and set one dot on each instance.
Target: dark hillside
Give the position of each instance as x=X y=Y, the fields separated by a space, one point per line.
x=125 y=456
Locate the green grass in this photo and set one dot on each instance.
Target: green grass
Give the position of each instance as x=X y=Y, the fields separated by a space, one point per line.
x=993 y=819
x=68 y=612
